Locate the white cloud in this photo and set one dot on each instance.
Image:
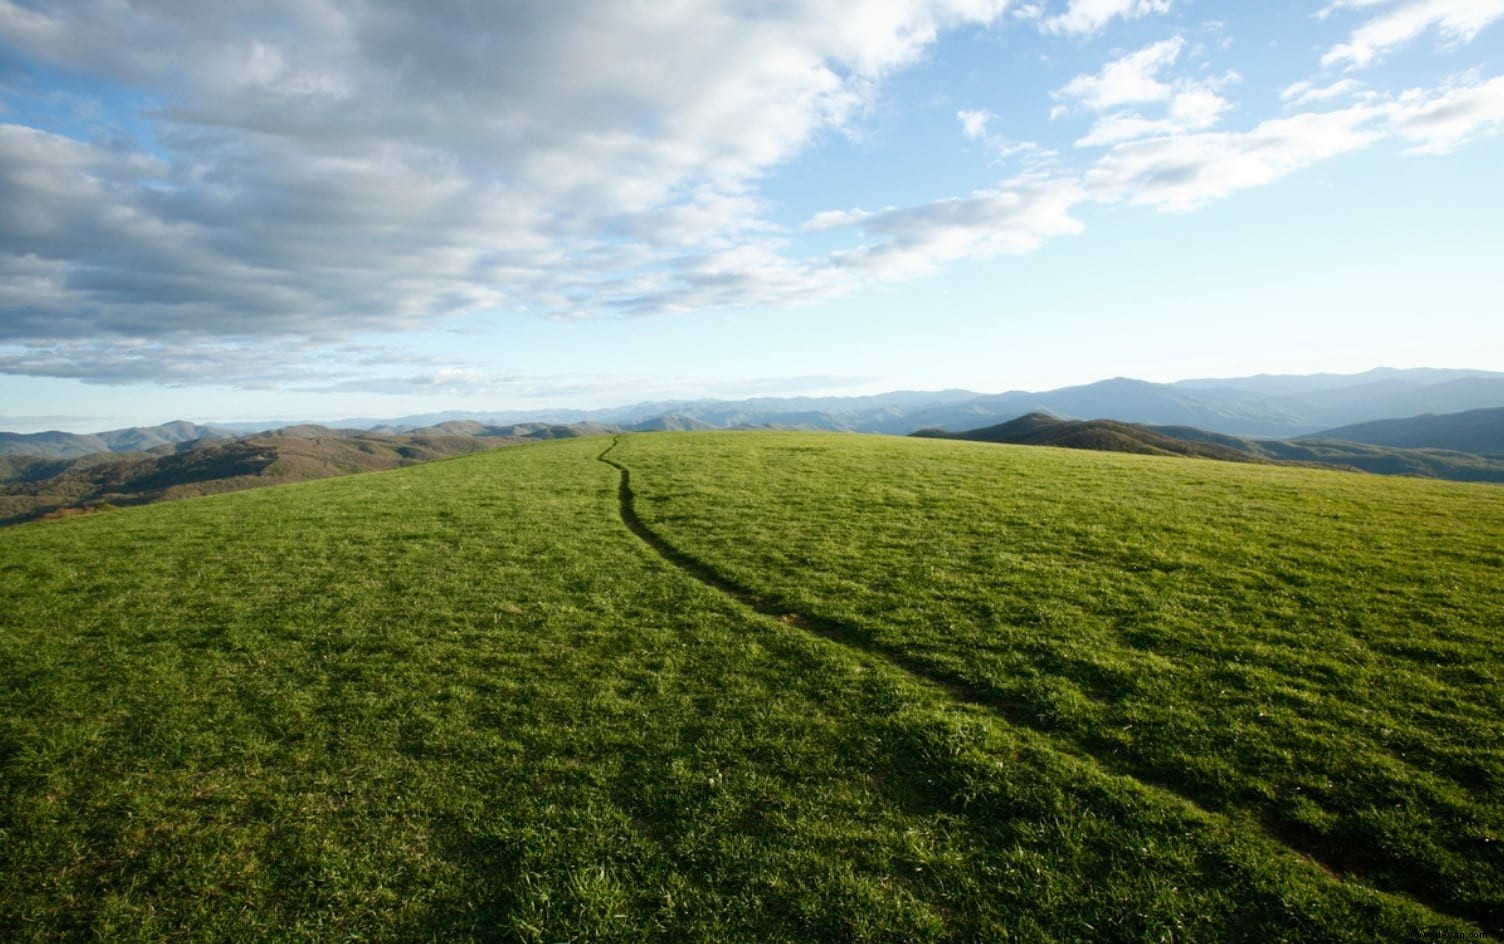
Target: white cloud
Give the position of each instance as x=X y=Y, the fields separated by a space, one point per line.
x=1130 y=80
x=1017 y=216
x=1439 y=123
x=173 y=364
x=1089 y=16
x=974 y=123
x=1183 y=172
x=1139 y=79
x=1458 y=21
x=317 y=168
x=835 y=219
x=1192 y=110
x=314 y=170
x=1304 y=93
x=977 y=126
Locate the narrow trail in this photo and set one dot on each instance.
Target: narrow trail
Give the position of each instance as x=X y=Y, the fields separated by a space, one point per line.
x=1305 y=846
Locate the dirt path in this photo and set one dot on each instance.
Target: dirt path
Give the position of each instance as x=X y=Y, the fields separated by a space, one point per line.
x=1310 y=847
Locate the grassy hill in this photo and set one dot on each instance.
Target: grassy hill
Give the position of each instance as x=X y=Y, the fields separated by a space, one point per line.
x=60 y=445
x=1042 y=429
x=1387 y=460
x=39 y=487
x=857 y=689
x=1475 y=431
x=32 y=487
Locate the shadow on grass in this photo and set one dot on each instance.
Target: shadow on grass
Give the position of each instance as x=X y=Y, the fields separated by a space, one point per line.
x=1342 y=857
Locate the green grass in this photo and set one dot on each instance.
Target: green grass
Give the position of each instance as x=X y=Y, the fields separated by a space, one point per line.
x=462 y=701
x=1320 y=653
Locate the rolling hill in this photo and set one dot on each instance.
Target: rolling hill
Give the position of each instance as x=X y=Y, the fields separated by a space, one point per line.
x=59 y=445
x=1476 y=431
x=1264 y=406
x=178 y=466
x=32 y=487
x=1041 y=429
x=761 y=687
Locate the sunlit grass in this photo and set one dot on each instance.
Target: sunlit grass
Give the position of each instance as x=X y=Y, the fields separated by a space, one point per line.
x=462 y=702
x=1319 y=652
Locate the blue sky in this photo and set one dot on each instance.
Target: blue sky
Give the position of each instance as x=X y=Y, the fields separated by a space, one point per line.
x=314 y=210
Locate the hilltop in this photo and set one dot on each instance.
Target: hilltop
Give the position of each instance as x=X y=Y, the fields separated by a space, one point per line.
x=760 y=687
x=31 y=487
x=1262 y=406
x=1475 y=431
x=1321 y=449
x=1041 y=429
x=56 y=472
x=60 y=445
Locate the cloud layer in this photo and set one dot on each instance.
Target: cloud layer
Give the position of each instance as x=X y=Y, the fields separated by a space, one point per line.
x=329 y=168
x=1402 y=21
x=1091 y=16
x=302 y=173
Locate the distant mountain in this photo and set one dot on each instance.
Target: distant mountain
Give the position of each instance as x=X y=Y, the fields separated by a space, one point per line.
x=1328 y=400
x=1038 y=429
x=1041 y=429
x=793 y=412
x=1475 y=431
x=1296 y=385
x=1268 y=407
x=1454 y=396
x=671 y=422
x=32 y=487
x=49 y=473
x=1261 y=407
x=57 y=445
x=1387 y=460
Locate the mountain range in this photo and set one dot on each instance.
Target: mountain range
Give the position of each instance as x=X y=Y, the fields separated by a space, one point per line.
x=1264 y=406
x=33 y=486
x=1477 y=431
x=60 y=445
x=1421 y=458
x=64 y=473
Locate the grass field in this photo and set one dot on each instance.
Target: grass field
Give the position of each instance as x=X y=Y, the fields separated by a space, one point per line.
x=463 y=701
x=1318 y=652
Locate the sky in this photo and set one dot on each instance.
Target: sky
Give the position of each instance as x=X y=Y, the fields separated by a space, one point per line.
x=318 y=209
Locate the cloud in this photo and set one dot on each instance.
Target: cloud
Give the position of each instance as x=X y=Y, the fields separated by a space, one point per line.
x=298 y=172
x=1439 y=123
x=313 y=170
x=1192 y=110
x=552 y=390
x=1304 y=93
x=1458 y=21
x=1138 y=79
x=977 y=126
x=834 y=219
x=1130 y=80
x=311 y=368
x=1182 y=172
x=974 y=123
x=122 y=361
x=1017 y=216
x=1083 y=17
x=728 y=278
